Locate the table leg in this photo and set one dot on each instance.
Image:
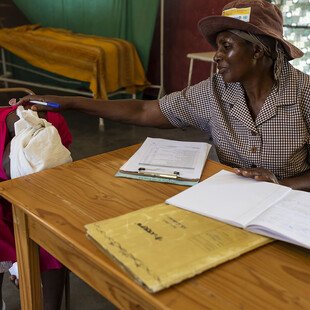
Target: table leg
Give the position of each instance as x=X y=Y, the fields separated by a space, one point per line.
x=212 y=68
x=28 y=263
x=190 y=72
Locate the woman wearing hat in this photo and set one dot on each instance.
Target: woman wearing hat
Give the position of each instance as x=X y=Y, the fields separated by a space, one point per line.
x=256 y=108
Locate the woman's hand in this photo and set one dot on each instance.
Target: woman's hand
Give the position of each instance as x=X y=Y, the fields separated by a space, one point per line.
x=64 y=102
x=259 y=174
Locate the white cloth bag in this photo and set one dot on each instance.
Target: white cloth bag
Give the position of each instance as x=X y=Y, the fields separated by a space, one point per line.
x=36 y=145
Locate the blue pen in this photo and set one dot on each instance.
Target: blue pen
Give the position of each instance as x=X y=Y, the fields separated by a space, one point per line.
x=48 y=104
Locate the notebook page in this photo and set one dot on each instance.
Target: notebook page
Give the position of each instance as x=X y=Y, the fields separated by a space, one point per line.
x=229 y=198
x=287 y=220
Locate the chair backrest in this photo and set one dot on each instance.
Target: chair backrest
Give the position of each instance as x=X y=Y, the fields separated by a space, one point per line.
x=16 y=89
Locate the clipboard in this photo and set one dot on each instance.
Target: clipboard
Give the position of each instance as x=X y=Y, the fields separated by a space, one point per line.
x=167 y=161
x=153 y=178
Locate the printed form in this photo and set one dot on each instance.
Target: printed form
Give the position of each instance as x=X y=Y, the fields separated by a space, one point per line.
x=169 y=158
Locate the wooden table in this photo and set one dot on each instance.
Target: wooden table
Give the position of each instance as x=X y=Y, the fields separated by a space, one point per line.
x=52 y=207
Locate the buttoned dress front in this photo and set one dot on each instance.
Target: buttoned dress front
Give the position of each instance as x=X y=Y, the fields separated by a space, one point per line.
x=278 y=139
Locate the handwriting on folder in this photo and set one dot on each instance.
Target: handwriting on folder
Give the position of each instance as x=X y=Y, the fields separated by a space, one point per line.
x=163 y=245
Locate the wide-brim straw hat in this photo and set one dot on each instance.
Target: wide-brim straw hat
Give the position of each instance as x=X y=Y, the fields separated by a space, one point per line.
x=254 y=16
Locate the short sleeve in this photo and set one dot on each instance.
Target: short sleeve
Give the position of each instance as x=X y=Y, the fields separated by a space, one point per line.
x=189 y=107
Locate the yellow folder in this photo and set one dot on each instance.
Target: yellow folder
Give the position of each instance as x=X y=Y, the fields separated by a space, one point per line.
x=162 y=245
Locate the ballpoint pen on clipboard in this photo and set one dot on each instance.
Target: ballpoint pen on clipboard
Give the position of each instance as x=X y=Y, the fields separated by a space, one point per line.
x=174 y=175
x=48 y=104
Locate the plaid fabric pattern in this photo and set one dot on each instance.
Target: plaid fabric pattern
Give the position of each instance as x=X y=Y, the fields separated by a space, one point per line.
x=278 y=139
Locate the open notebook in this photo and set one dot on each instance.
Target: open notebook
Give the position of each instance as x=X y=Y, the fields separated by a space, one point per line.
x=261 y=207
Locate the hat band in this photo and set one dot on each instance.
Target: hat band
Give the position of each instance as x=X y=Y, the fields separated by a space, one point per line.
x=238 y=13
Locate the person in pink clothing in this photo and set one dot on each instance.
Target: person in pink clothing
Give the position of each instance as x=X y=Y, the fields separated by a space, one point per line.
x=52 y=271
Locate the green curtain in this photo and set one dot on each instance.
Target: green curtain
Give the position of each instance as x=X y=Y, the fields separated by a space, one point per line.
x=133 y=20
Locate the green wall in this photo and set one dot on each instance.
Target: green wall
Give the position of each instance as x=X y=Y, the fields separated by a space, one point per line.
x=133 y=20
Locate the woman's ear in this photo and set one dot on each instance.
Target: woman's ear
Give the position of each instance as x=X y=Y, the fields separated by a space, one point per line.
x=258 y=51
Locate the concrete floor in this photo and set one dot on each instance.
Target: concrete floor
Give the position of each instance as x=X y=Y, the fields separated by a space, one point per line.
x=88 y=140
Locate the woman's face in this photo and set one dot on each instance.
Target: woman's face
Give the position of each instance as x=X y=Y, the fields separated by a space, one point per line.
x=234 y=57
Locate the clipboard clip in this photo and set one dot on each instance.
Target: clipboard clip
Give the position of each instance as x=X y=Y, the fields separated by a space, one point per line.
x=174 y=175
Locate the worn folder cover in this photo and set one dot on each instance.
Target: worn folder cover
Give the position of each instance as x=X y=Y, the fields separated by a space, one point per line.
x=163 y=245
